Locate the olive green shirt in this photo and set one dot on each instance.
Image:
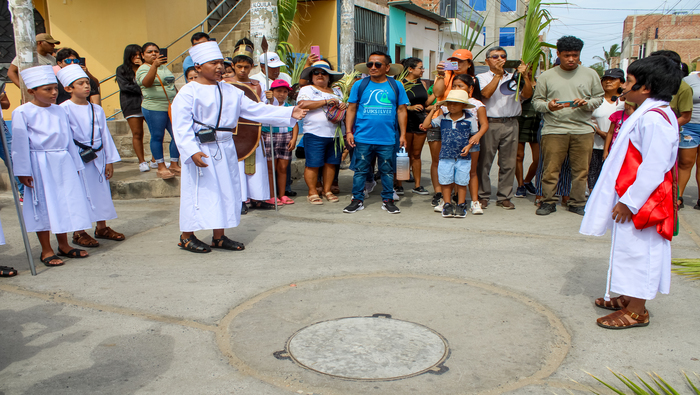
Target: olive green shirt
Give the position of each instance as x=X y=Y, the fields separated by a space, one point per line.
x=580 y=83
x=683 y=99
x=154 y=98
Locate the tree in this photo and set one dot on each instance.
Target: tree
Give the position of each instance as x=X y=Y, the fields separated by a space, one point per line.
x=608 y=55
x=599 y=68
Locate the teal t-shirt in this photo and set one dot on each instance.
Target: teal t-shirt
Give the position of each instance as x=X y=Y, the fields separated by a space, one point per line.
x=375 y=122
x=275 y=129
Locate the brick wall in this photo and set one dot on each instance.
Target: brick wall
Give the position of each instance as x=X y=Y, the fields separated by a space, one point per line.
x=679 y=33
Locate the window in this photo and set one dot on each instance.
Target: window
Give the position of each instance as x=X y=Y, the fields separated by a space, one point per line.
x=370 y=33
x=509 y=5
x=478 y=5
x=507 y=37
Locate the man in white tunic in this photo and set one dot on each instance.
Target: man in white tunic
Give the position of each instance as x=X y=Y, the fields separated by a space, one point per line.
x=47 y=161
x=90 y=133
x=634 y=196
x=205 y=112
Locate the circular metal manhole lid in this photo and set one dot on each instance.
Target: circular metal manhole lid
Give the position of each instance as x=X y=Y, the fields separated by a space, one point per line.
x=368 y=348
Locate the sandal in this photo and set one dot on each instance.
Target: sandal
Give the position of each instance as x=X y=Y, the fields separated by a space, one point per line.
x=6 y=271
x=244 y=208
x=335 y=188
x=286 y=200
x=74 y=253
x=613 y=304
x=331 y=197
x=165 y=174
x=47 y=261
x=193 y=244
x=623 y=319
x=314 y=199
x=84 y=240
x=260 y=205
x=109 y=234
x=227 y=244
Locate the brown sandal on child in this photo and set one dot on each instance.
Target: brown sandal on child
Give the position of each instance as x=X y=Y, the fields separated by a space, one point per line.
x=109 y=234
x=623 y=319
x=613 y=304
x=84 y=240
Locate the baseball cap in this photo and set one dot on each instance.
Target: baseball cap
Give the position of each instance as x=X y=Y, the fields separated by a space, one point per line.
x=462 y=54
x=614 y=73
x=46 y=37
x=273 y=60
x=280 y=84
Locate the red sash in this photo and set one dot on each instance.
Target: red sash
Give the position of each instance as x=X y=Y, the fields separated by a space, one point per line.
x=660 y=209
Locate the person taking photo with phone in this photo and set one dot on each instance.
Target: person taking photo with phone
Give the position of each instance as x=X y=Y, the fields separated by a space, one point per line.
x=66 y=57
x=567 y=95
x=157 y=84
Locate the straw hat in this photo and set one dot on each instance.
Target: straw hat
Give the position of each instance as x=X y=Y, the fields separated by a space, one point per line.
x=457 y=96
x=395 y=69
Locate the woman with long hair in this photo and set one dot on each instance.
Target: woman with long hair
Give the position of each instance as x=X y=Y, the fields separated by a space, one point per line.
x=130 y=99
x=415 y=137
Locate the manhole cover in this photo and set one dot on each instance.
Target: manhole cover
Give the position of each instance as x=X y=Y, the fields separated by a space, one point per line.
x=368 y=348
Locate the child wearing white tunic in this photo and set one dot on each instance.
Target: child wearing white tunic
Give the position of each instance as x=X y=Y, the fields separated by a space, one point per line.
x=210 y=183
x=89 y=126
x=47 y=162
x=634 y=196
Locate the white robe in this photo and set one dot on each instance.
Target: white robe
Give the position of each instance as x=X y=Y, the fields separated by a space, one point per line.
x=640 y=260
x=93 y=176
x=43 y=148
x=255 y=186
x=210 y=196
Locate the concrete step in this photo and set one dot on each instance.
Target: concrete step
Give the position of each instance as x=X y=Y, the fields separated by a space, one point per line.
x=123 y=139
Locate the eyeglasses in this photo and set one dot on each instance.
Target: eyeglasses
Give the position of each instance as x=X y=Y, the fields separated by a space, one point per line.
x=318 y=72
x=374 y=64
x=69 y=61
x=495 y=57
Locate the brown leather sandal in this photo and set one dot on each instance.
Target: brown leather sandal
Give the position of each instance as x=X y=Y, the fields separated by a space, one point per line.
x=623 y=319
x=109 y=234
x=613 y=304
x=84 y=240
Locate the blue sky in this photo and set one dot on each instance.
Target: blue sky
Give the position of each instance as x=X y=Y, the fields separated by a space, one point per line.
x=599 y=22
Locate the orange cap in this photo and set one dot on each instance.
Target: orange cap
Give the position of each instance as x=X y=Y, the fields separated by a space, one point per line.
x=461 y=54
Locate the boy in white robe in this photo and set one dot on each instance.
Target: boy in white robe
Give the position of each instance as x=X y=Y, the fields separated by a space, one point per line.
x=89 y=126
x=47 y=162
x=208 y=110
x=635 y=198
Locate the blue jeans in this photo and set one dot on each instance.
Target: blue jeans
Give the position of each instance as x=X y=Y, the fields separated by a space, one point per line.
x=8 y=138
x=158 y=122
x=363 y=155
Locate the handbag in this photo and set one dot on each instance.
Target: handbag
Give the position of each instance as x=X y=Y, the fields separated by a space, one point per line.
x=87 y=153
x=170 y=104
x=334 y=113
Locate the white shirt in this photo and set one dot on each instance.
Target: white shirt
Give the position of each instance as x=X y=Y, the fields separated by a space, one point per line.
x=601 y=117
x=263 y=80
x=315 y=121
x=500 y=105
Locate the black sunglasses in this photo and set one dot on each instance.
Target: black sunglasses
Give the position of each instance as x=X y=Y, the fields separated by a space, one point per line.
x=375 y=64
x=495 y=57
x=318 y=72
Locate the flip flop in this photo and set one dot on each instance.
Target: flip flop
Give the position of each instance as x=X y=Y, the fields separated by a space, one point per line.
x=74 y=253
x=46 y=261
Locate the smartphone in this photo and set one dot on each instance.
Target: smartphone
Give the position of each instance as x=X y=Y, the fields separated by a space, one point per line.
x=511 y=64
x=164 y=52
x=451 y=65
x=316 y=50
x=567 y=103
x=81 y=61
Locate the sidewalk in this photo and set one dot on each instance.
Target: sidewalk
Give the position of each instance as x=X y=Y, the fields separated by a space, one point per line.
x=510 y=292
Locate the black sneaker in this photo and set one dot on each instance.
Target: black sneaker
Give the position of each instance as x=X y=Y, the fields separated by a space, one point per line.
x=461 y=210
x=448 y=210
x=521 y=192
x=436 y=199
x=354 y=206
x=390 y=207
x=531 y=188
x=580 y=210
x=399 y=190
x=546 y=209
x=420 y=190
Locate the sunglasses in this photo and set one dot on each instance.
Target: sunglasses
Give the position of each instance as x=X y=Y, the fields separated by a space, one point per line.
x=74 y=61
x=495 y=57
x=374 y=64
x=318 y=72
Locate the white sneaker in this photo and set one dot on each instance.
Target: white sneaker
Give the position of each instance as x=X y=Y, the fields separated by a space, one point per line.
x=153 y=165
x=396 y=196
x=476 y=208
x=143 y=166
x=438 y=208
x=369 y=187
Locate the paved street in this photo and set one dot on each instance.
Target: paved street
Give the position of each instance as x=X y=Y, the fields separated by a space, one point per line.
x=510 y=293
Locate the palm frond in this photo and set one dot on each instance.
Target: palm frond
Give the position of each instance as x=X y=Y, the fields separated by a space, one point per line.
x=688 y=267
x=344 y=85
x=662 y=387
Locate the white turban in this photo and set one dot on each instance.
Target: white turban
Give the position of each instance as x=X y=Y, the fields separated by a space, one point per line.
x=205 y=52
x=70 y=74
x=37 y=76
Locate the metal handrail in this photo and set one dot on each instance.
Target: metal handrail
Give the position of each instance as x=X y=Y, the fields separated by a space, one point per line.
x=200 y=24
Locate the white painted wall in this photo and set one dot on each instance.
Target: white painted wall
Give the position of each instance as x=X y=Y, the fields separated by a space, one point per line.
x=422 y=34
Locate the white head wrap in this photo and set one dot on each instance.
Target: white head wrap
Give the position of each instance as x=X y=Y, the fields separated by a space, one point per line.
x=70 y=74
x=37 y=76
x=205 y=52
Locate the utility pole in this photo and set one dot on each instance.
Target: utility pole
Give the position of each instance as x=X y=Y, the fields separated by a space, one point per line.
x=264 y=22
x=346 y=56
x=22 y=12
